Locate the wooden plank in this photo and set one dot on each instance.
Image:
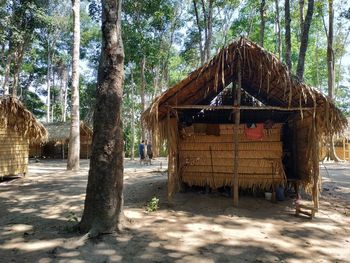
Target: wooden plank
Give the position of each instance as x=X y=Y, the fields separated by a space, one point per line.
x=228 y=138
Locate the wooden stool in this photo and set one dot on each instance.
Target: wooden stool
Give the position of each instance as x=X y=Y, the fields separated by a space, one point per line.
x=307 y=210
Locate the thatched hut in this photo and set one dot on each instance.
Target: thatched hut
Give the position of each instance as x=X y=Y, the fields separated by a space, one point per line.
x=342 y=145
x=18 y=128
x=57 y=144
x=242 y=120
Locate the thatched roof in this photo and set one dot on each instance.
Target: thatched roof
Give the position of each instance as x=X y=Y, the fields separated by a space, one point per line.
x=263 y=76
x=60 y=131
x=14 y=116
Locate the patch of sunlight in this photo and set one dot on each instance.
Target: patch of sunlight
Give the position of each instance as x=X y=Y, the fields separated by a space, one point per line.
x=19 y=228
x=133 y=214
x=70 y=254
x=32 y=245
x=115 y=258
x=107 y=252
x=154 y=244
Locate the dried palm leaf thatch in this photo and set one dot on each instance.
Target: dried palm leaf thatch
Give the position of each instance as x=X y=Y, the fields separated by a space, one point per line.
x=264 y=77
x=15 y=117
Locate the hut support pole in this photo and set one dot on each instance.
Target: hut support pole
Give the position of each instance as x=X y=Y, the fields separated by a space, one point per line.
x=170 y=161
x=344 y=152
x=315 y=190
x=237 y=113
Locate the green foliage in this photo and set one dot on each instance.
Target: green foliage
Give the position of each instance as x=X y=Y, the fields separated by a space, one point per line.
x=152 y=205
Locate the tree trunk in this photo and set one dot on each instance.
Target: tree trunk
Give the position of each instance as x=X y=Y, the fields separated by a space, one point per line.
x=48 y=84
x=278 y=25
x=143 y=86
x=288 y=37
x=201 y=50
x=330 y=68
x=132 y=148
x=304 y=41
x=65 y=94
x=7 y=74
x=104 y=193
x=301 y=16
x=209 y=30
x=262 y=22
x=74 y=138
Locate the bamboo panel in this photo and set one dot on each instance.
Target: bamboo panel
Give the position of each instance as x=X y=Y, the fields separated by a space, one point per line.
x=14 y=162
x=263 y=181
x=8 y=151
x=241 y=126
x=227 y=169
x=227 y=161
x=266 y=132
x=15 y=144
x=229 y=154
x=227 y=138
x=247 y=146
x=340 y=153
x=13 y=171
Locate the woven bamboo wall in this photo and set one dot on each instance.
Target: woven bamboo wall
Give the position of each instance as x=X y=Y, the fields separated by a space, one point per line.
x=13 y=153
x=208 y=159
x=343 y=152
x=304 y=149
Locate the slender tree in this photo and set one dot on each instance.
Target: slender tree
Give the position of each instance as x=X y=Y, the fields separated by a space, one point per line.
x=143 y=87
x=330 y=69
x=74 y=138
x=278 y=30
x=262 y=22
x=288 y=36
x=104 y=193
x=304 y=40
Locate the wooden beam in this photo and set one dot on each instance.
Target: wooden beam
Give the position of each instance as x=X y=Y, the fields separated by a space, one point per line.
x=237 y=113
x=238 y=107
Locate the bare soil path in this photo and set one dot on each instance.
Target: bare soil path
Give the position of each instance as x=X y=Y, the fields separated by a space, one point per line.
x=36 y=215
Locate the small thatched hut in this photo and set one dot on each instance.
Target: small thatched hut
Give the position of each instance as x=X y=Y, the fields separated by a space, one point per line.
x=342 y=145
x=57 y=144
x=18 y=128
x=242 y=120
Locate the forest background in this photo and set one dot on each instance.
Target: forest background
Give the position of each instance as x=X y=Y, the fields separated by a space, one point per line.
x=164 y=40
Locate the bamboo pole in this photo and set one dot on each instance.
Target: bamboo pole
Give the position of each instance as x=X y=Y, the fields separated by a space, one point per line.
x=237 y=112
x=169 y=159
x=315 y=190
x=238 y=107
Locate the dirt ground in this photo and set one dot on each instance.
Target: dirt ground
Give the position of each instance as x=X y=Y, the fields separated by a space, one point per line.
x=37 y=212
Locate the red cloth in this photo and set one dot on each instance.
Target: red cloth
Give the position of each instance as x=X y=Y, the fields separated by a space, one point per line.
x=255 y=133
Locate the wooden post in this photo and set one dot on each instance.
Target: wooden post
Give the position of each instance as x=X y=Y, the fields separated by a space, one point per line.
x=315 y=190
x=344 y=152
x=63 y=150
x=237 y=112
x=170 y=160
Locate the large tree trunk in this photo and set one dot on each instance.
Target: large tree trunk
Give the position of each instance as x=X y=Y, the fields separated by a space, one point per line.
x=74 y=138
x=304 y=41
x=143 y=87
x=330 y=68
x=104 y=193
x=278 y=29
x=262 y=22
x=288 y=37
